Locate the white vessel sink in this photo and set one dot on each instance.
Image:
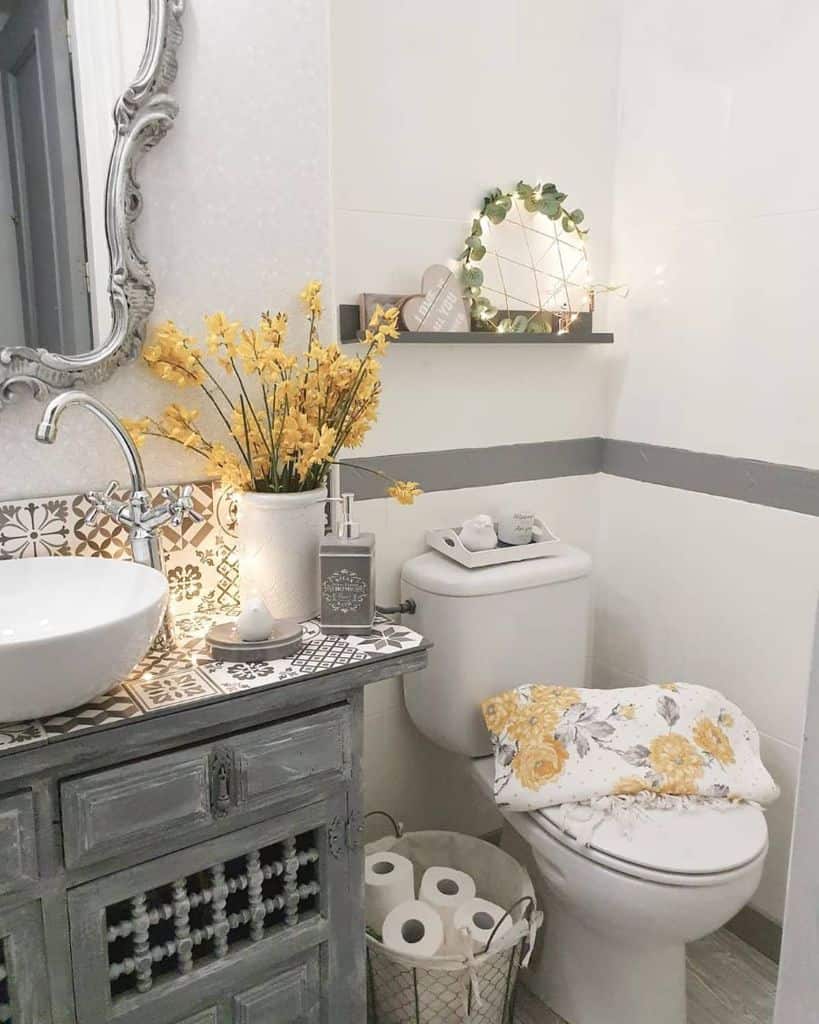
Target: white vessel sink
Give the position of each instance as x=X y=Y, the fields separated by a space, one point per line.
x=70 y=628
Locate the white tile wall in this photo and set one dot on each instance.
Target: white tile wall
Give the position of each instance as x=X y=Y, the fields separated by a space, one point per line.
x=715 y=206
x=716 y=200
x=434 y=104
x=717 y=592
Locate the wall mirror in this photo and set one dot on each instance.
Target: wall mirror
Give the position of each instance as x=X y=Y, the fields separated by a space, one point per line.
x=83 y=94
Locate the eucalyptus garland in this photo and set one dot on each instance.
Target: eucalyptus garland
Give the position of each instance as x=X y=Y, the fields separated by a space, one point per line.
x=546 y=199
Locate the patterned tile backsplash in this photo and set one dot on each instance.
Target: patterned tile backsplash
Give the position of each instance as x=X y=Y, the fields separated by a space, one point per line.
x=201 y=559
x=203 y=574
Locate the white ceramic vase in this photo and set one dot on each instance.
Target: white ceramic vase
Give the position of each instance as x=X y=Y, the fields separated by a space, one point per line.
x=279 y=538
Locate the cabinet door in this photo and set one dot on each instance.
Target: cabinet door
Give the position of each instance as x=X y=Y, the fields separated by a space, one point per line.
x=24 y=996
x=210 y=930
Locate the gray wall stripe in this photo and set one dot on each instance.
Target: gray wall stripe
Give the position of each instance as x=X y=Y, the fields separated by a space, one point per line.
x=763 y=483
x=478 y=467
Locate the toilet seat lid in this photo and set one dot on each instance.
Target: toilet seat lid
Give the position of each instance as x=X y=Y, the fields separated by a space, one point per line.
x=698 y=840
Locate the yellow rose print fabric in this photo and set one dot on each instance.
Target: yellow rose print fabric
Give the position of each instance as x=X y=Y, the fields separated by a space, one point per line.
x=558 y=744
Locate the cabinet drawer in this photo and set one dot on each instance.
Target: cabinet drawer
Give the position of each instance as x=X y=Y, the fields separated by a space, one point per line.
x=18 y=849
x=153 y=802
x=107 y=813
x=289 y=758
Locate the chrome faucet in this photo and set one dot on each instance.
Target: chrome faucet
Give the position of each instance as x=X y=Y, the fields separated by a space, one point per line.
x=137 y=514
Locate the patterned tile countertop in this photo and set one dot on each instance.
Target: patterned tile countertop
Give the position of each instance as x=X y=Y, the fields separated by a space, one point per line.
x=203 y=575
x=188 y=675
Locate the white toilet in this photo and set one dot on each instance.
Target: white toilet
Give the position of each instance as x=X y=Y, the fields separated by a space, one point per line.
x=618 y=912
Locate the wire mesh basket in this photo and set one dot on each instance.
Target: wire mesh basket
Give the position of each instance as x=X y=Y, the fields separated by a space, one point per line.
x=474 y=989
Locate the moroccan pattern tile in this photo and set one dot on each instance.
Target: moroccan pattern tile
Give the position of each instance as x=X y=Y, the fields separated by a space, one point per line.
x=35 y=528
x=164 y=691
x=201 y=560
x=116 y=706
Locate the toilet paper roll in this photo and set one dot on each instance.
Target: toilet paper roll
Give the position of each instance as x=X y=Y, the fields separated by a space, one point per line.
x=446 y=890
x=475 y=921
x=389 y=880
x=415 y=928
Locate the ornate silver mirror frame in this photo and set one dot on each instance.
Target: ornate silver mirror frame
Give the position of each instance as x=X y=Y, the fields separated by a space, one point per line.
x=143 y=115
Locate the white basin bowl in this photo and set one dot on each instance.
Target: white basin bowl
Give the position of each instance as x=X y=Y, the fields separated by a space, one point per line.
x=70 y=628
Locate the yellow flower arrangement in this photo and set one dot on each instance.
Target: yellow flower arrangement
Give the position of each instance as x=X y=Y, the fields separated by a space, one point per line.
x=288 y=417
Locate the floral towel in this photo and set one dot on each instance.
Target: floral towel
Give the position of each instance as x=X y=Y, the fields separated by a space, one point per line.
x=556 y=745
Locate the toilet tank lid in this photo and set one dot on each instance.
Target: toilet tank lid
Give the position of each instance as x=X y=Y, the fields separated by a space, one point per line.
x=433 y=573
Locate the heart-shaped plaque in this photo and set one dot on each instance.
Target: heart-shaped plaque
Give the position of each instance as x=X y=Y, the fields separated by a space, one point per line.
x=441 y=307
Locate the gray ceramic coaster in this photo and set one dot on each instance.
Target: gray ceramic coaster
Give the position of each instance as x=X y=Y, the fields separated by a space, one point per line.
x=225 y=645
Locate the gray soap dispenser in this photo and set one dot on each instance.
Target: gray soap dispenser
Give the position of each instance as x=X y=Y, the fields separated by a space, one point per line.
x=348 y=577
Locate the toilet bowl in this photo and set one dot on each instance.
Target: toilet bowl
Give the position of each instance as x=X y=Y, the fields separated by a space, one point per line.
x=620 y=911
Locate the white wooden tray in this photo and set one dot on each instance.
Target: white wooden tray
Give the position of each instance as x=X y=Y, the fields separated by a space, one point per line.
x=448 y=542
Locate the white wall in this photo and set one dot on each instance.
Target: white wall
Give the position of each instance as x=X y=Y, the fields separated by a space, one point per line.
x=434 y=104
x=716 y=199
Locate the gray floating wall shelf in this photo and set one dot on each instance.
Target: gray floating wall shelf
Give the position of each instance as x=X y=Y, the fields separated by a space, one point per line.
x=349 y=325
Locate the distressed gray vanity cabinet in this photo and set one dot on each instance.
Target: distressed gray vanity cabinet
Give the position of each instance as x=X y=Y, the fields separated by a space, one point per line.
x=202 y=865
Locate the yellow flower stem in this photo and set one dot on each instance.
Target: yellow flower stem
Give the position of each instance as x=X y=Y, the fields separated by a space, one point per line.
x=247 y=436
x=190 y=447
x=273 y=452
x=215 y=382
x=342 y=433
x=351 y=397
x=217 y=407
x=176 y=366
x=364 y=469
x=229 y=428
x=250 y=406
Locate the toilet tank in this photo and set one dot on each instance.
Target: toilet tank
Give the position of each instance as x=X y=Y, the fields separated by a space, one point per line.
x=492 y=629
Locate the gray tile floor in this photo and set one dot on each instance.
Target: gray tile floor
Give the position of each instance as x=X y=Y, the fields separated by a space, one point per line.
x=728 y=983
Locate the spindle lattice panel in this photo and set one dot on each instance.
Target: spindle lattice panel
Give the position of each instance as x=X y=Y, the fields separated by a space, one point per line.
x=171 y=929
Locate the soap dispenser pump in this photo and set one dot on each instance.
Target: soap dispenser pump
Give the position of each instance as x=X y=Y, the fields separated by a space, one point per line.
x=348 y=577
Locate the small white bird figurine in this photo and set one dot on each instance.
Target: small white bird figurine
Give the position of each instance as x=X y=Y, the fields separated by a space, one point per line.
x=254 y=623
x=478 y=534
